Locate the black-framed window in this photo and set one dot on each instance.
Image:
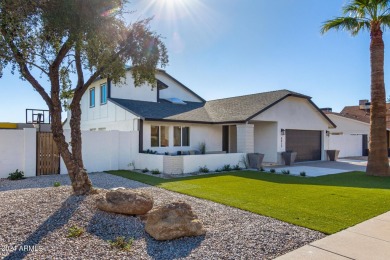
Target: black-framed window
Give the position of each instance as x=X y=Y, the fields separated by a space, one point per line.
x=92 y=97
x=181 y=136
x=103 y=94
x=159 y=136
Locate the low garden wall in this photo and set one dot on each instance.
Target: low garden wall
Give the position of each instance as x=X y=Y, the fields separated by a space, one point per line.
x=179 y=164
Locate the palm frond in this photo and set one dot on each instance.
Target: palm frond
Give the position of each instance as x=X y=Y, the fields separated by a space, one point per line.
x=351 y=24
x=385 y=20
x=357 y=8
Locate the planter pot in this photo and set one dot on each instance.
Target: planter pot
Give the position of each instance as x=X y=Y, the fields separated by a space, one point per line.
x=289 y=157
x=333 y=155
x=255 y=160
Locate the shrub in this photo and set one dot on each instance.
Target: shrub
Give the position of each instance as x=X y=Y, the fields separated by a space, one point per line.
x=155 y=171
x=261 y=169
x=226 y=168
x=204 y=169
x=244 y=161
x=145 y=170
x=272 y=170
x=285 y=171
x=121 y=243
x=57 y=184
x=303 y=174
x=218 y=170
x=75 y=231
x=132 y=164
x=202 y=147
x=236 y=167
x=16 y=175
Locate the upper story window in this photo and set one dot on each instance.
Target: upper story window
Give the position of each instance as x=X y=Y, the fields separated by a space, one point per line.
x=103 y=94
x=92 y=97
x=181 y=136
x=159 y=136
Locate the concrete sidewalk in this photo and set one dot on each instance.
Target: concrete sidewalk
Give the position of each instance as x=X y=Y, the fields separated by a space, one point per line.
x=367 y=240
x=320 y=168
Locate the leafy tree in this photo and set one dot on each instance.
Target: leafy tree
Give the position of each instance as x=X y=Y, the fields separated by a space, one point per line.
x=373 y=16
x=81 y=39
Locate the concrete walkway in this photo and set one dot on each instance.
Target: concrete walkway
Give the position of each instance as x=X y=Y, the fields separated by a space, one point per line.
x=320 y=168
x=367 y=240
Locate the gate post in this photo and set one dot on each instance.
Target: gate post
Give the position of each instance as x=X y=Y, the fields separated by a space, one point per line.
x=30 y=152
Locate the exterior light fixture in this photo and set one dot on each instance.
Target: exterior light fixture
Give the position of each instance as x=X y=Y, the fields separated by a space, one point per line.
x=327 y=133
x=282 y=131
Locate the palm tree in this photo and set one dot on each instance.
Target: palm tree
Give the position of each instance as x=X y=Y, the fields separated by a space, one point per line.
x=373 y=16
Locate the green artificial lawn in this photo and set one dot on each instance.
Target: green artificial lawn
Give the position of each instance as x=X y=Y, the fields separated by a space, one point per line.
x=327 y=204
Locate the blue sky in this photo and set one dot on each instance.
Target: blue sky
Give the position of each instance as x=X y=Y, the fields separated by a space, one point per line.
x=224 y=48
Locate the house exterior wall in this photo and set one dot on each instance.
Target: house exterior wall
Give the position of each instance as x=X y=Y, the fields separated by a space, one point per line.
x=245 y=138
x=266 y=140
x=211 y=135
x=292 y=113
x=175 y=90
x=113 y=117
x=127 y=90
x=349 y=136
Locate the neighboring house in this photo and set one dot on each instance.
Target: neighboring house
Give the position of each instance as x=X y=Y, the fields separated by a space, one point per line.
x=19 y=126
x=350 y=136
x=362 y=113
x=172 y=118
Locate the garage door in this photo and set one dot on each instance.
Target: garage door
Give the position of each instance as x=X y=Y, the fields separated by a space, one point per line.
x=306 y=143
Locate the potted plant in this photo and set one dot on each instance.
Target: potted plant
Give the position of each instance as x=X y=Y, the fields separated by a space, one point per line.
x=333 y=155
x=289 y=157
x=255 y=160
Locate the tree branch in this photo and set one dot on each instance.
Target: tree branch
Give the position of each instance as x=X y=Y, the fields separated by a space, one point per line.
x=25 y=71
x=61 y=54
x=79 y=69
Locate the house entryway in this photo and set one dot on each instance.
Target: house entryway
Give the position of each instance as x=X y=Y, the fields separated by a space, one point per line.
x=48 y=156
x=307 y=144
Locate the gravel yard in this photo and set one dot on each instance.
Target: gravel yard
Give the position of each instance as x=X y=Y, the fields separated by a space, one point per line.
x=33 y=213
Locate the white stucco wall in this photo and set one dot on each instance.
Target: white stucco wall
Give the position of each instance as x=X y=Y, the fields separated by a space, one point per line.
x=116 y=118
x=349 y=139
x=18 y=151
x=127 y=90
x=106 y=150
x=175 y=90
x=211 y=161
x=210 y=134
x=266 y=140
x=293 y=113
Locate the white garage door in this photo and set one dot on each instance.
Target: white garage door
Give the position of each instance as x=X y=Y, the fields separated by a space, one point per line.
x=349 y=145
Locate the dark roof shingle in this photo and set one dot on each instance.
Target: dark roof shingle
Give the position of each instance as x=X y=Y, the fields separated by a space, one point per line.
x=234 y=109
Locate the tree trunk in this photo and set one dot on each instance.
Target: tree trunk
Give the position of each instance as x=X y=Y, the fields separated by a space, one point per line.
x=378 y=163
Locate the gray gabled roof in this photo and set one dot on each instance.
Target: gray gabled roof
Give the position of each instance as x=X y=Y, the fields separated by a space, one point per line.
x=227 y=110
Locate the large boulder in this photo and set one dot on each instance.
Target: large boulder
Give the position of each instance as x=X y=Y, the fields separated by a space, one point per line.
x=172 y=221
x=125 y=201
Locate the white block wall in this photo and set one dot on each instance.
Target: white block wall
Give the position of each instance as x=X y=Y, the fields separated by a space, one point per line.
x=106 y=150
x=18 y=151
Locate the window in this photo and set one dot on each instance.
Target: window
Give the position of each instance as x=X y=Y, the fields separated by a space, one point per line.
x=103 y=94
x=92 y=97
x=185 y=138
x=155 y=136
x=181 y=136
x=159 y=136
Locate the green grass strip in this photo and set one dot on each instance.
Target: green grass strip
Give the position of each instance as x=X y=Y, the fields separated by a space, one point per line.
x=327 y=203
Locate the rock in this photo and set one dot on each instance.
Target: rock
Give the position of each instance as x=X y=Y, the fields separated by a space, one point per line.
x=125 y=201
x=172 y=221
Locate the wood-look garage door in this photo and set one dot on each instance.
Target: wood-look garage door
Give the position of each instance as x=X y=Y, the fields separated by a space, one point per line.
x=306 y=143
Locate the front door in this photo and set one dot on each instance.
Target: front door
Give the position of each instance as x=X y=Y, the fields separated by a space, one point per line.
x=225 y=138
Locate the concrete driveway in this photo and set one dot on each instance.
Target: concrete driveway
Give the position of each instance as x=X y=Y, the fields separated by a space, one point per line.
x=320 y=168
